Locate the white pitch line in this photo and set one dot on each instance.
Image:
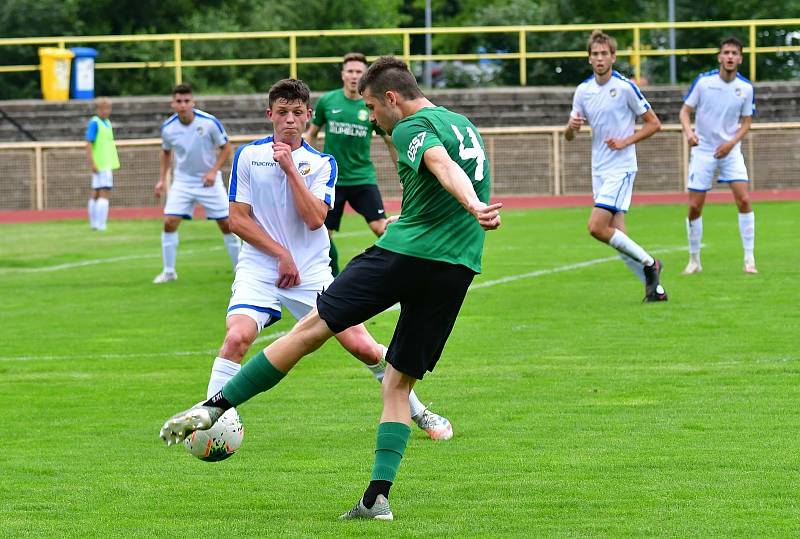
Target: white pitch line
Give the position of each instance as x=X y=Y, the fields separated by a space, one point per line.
x=271 y=336
x=154 y=254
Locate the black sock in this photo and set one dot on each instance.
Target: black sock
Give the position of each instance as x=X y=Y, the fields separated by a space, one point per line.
x=218 y=401
x=375 y=488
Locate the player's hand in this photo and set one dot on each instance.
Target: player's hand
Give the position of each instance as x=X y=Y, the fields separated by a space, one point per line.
x=94 y=168
x=288 y=274
x=209 y=179
x=617 y=143
x=391 y=219
x=282 y=154
x=724 y=149
x=488 y=216
x=159 y=189
x=575 y=122
x=692 y=138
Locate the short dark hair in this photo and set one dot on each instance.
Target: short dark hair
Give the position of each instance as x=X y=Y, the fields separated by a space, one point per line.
x=732 y=40
x=182 y=88
x=601 y=38
x=290 y=90
x=389 y=73
x=354 y=57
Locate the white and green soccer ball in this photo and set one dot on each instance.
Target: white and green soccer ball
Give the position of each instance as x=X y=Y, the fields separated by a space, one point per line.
x=220 y=441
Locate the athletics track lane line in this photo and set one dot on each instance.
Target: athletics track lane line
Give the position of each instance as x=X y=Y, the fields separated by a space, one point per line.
x=275 y=335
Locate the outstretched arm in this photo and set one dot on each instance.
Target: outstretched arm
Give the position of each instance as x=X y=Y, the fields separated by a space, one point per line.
x=457 y=183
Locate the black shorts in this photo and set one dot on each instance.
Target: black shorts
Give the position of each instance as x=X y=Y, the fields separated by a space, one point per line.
x=365 y=199
x=430 y=294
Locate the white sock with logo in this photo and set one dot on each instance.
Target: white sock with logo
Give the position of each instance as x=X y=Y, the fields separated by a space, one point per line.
x=221 y=371
x=694 y=231
x=169 y=250
x=232 y=244
x=622 y=243
x=92 y=213
x=634 y=265
x=101 y=212
x=747 y=230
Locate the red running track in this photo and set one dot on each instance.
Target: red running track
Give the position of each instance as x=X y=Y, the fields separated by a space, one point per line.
x=393 y=206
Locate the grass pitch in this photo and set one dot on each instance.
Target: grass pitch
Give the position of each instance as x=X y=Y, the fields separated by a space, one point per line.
x=577 y=410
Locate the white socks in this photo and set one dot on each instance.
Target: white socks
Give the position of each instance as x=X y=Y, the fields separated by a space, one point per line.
x=377 y=371
x=694 y=231
x=747 y=229
x=169 y=250
x=624 y=244
x=98 y=213
x=222 y=371
x=232 y=244
x=634 y=265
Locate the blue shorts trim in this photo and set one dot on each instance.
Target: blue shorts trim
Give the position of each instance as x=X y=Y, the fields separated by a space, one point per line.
x=731 y=181
x=98 y=188
x=698 y=190
x=217 y=218
x=272 y=312
x=612 y=209
x=181 y=215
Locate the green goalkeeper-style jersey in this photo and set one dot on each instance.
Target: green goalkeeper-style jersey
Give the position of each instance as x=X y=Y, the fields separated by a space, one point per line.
x=348 y=136
x=432 y=224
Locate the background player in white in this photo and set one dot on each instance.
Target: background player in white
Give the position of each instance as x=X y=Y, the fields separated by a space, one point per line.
x=193 y=136
x=280 y=191
x=610 y=103
x=720 y=99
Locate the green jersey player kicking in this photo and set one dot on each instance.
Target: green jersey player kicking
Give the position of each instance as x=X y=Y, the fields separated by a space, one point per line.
x=425 y=261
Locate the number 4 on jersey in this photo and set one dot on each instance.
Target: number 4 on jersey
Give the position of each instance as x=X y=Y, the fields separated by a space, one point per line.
x=475 y=152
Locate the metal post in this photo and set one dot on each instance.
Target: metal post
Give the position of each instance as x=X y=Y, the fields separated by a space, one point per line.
x=752 y=52
x=673 y=71
x=407 y=49
x=293 y=56
x=177 y=53
x=637 y=60
x=427 y=77
x=557 y=162
x=523 y=61
x=39 y=180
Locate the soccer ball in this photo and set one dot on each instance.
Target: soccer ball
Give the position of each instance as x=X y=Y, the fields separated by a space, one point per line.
x=220 y=441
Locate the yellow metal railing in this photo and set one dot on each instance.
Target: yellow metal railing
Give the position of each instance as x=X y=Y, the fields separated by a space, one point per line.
x=634 y=53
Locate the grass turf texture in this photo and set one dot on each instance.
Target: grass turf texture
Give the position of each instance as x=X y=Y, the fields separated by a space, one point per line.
x=577 y=410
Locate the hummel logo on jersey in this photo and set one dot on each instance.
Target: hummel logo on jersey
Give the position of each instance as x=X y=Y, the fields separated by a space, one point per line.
x=336 y=111
x=415 y=145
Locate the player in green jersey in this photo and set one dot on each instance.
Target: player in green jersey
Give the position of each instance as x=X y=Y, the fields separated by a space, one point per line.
x=348 y=138
x=425 y=261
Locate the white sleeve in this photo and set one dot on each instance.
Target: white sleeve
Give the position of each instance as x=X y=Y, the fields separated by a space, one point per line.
x=239 y=185
x=636 y=101
x=577 y=104
x=218 y=134
x=166 y=144
x=693 y=97
x=749 y=103
x=323 y=185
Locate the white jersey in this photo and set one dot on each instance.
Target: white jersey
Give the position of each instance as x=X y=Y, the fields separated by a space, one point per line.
x=258 y=180
x=194 y=145
x=611 y=111
x=718 y=107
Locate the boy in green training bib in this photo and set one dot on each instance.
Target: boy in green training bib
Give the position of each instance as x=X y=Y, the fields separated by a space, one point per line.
x=101 y=152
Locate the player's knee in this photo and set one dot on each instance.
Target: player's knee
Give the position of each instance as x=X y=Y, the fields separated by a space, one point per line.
x=236 y=344
x=743 y=203
x=597 y=230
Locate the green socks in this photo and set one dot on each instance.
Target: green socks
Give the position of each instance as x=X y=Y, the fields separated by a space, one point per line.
x=389 y=449
x=256 y=376
x=334 y=254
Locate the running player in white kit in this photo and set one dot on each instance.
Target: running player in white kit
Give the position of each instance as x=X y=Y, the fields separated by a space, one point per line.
x=610 y=103
x=724 y=103
x=193 y=136
x=280 y=191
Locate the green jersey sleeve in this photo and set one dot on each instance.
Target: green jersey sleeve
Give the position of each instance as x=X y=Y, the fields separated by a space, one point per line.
x=318 y=116
x=412 y=138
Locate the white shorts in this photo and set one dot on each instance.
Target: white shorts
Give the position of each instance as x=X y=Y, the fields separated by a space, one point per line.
x=703 y=165
x=102 y=179
x=182 y=199
x=612 y=190
x=262 y=301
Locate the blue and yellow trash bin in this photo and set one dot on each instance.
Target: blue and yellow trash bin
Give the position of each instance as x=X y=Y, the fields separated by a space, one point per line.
x=54 y=65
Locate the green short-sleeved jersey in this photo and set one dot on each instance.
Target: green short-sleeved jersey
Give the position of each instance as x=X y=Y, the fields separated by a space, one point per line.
x=348 y=136
x=432 y=223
